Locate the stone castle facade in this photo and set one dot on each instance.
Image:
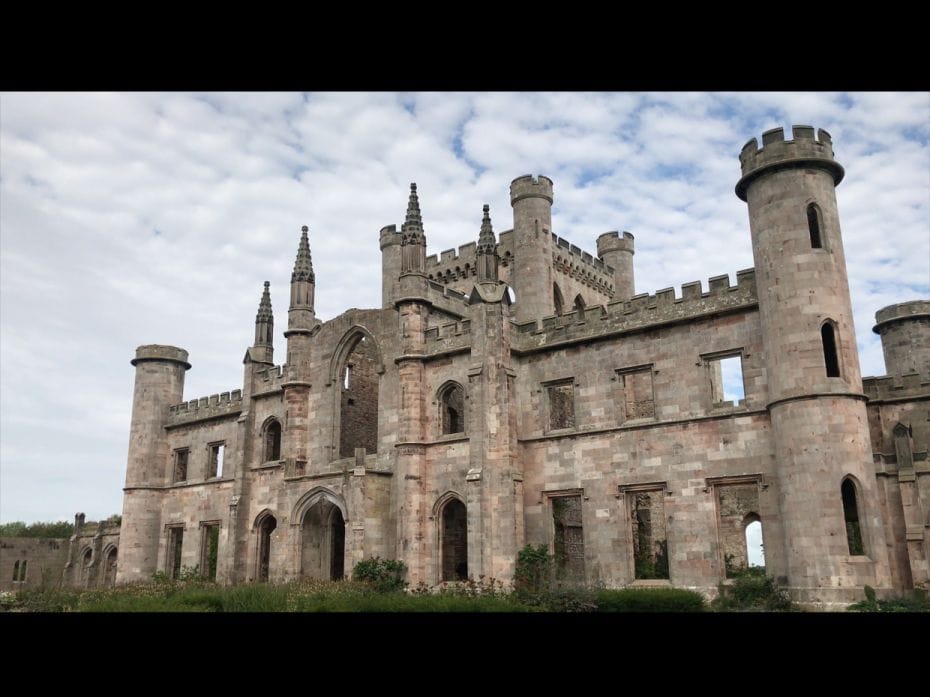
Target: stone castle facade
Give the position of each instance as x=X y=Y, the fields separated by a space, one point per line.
x=518 y=391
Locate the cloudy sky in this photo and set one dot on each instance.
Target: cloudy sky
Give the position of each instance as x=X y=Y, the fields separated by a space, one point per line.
x=128 y=219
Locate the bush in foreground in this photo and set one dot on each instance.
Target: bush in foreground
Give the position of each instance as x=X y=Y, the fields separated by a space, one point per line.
x=650 y=600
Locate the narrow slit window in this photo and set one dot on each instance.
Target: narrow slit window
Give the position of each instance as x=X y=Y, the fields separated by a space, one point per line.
x=181 y=457
x=813 y=225
x=561 y=406
x=217 y=456
x=830 y=358
x=851 y=517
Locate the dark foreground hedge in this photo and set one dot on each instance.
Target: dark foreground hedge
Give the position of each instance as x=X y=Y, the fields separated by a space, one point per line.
x=650 y=600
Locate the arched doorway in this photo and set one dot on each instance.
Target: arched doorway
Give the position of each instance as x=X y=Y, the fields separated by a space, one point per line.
x=87 y=563
x=109 y=568
x=265 y=528
x=454 y=541
x=323 y=542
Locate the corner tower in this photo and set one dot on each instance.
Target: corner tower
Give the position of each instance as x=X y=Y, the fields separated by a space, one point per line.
x=531 y=198
x=159 y=384
x=905 y=332
x=823 y=455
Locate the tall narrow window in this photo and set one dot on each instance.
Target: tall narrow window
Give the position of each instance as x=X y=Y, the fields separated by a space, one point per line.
x=851 y=516
x=568 y=540
x=650 y=544
x=454 y=541
x=209 y=546
x=813 y=224
x=87 y=563
x=272 y=441
x=358 y=405
x=830 y=358
x=15 y=572
x=22 y=571
x=267 y=526
x=175 y=545
x=452 y=408
x=755 y=552
x=579 y=306
x=181 y=457
x=109 y=574
x=217 y=455
x=557 y=299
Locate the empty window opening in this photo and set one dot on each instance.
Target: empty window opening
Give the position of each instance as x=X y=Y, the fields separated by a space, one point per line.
x=16 y=572
x=851 y=516
x=181 y=458
x=638 y=394
x=579 y=306
x=650 y=544
x=358 y=416
x=209 y=548
x=454 y=541
x=267 y=526
x=830 y=358
x=452 y=406
x=272 y=441
x=217 y=455
x=173 y=558
x=561 y=406
x=323 y=539
x=568 y=538
x=813 y=225
x=22 y=570
x=87 y=563
x=726 y=380
x=736 y=512
x=754 y=549
x=557 y=299
x=109 y=568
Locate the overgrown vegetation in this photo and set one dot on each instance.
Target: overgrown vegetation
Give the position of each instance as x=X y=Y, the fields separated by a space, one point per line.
x=752 y=591
x=650 y=600
x=61 y=529
x=916 y=601
x=381 y=575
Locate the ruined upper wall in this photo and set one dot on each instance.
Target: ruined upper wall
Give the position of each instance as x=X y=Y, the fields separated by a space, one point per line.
x=640 y=312
x=203 y=408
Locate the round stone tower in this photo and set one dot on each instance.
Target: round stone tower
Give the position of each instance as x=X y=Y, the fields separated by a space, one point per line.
x=905 y=332
x=159 y=384
x=828 y=500
x=616 y=251
x=531 y=198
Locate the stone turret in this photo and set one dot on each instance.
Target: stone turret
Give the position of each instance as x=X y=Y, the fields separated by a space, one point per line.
x=905 y=332
x=531 y=198
x=159 y=384
x=616 y=251
x=822 y=446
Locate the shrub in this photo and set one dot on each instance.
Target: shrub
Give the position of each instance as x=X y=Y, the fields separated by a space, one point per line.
x=752 y=590
x=917 y=601
x=382 y=575
x=649 y=600
x=533 y=572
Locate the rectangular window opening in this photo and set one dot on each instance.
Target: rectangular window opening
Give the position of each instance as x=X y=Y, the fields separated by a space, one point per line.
x=650 y=541
x=181 y=457
x=217 y=455
x=638 y=393
x=561 y=405
x=726 y=380
x=209 y=548
x=568 y=538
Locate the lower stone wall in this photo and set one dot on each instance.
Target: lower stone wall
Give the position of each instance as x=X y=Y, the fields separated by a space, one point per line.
x=44 y=561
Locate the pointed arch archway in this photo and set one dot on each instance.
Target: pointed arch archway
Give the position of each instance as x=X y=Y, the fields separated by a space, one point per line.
x=321 y=516
x=265 y=524
x=355 y=375
x=451 y=516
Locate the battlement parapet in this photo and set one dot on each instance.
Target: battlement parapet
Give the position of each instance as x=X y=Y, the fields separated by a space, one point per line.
x=448 y=336
x=777 y=153
x=905 y=386
x=641 y=311
x=160 y=352
x=389 y=236
x=222 y=404
x=530 y=186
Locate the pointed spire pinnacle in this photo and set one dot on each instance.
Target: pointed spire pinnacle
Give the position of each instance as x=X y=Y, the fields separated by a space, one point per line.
x=486 y=252
x=412 y=228
x=486 y=239
x=303 y=266
x=264 y=307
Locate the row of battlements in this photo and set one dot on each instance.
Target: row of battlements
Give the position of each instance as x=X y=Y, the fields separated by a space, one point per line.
x=466 y=253
x=447 y=292
x=642 y=310
x=214 y=405
x=447 y=331
x=803 y=149
x=583 y=256
x=896 y=386
x=272 y=372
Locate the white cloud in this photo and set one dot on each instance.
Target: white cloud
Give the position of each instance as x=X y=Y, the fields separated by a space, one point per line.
x=154 y=218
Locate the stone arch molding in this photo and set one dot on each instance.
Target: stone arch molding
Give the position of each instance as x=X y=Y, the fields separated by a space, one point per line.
x=260 y=518
x=313 y=497
x=346 y=345
x=441 y=502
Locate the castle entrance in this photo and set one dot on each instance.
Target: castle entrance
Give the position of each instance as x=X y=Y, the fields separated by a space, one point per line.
x=323 y=541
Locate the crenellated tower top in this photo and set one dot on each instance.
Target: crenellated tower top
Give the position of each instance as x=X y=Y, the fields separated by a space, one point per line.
x=777 y=153
x=529 y=186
